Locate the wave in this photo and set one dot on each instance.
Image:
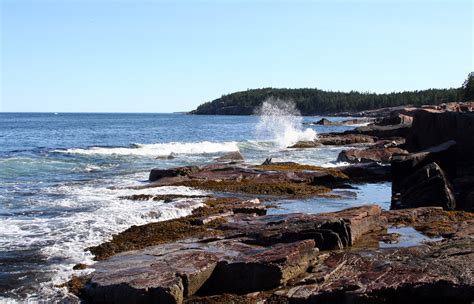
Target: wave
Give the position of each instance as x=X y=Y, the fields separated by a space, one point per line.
x=157 y=150
x=85 y=215
x=281 y=122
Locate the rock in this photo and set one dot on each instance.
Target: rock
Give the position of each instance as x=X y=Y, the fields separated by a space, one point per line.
x=373 y=154
x=282 y=258
x=427 y=186
x=423 y=274
x=157 y=174
x=400 y=130
x=325 y=122
x=389 y=238
x=339 y=139
x=431 y=128
x=261 y=269
x=169 y=156
x=385 y=112
x=231 y=157
x=347 y=122
x=154 y=275
x=329 y=230
x=444 y=155
x=305 y=145
x=395 y=119
x=367 y=173
x=80 y=266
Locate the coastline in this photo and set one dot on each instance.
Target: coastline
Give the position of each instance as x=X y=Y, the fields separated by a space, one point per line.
x=303 y=256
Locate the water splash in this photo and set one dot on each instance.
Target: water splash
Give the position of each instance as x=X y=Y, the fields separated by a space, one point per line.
x=281 y=123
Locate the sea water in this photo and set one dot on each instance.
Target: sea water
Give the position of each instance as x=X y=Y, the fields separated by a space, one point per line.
x=62 y=176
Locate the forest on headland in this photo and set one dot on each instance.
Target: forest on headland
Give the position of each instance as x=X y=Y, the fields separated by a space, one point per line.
x=312 y=101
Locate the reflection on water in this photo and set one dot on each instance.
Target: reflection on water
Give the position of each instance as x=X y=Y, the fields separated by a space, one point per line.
x=409 y=236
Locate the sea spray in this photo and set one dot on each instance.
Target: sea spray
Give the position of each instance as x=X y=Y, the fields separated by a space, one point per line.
x=281 y=123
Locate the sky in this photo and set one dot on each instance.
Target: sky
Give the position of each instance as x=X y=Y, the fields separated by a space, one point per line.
x=167 y=56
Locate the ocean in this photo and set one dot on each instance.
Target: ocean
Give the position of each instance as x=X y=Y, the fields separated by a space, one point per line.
x=62 y=176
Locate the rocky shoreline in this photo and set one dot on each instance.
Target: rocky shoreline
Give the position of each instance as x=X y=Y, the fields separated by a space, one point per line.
x=230 y=250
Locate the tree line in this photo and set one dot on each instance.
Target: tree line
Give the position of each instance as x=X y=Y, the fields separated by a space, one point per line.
x=316 y=102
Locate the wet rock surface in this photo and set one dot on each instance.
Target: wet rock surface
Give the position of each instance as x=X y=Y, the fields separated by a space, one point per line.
x=340 y=139
x=298 y=258
x=231 y=157
x=250 y=253
x=373 y=154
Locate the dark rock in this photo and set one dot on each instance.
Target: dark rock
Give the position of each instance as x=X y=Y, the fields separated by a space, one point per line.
x=261 y=270
x=80 y=266
x=431 y=128
x=305 y=145
x=156 y=275
x=423 y=274
x=157 y=174
x=325 y=122
x=339 y=139
x=347 y=122
x=444 y=155
x=427 y=186
x=395 y=119
x=231 y=157
x=401 y=130
x=367 y=173
x=373 y=154
x=389 y=238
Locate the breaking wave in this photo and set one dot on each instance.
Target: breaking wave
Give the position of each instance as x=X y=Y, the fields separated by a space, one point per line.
x=281 y=123
x=156 y=150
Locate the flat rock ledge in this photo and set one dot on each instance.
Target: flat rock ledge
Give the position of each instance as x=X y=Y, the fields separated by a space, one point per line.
x=297 y=258
x=253 y=253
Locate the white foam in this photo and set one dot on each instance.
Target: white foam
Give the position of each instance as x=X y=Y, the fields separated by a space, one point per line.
x=159 y=149
x=281 y=123
x=90 y=214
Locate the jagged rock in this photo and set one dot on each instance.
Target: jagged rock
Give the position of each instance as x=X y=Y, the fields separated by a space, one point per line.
x=157 y=174
x=261 y=269
x=373 y=154
x=431 y=128
x=324 y=122
x=427 y=186
x=339 y=139
x=396 y=119
x=329 y=230
x=444 y=155
x=231 y=157
x=424 y=274
x=400 y=130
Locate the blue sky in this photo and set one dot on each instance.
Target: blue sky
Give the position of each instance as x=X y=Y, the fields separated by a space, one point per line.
x=157 y=56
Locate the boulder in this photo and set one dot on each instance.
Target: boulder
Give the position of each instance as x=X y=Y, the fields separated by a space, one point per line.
x=444 y=155
x=156 y=174
x=373 y=154
x=231 y=157
x=427 y=186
